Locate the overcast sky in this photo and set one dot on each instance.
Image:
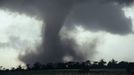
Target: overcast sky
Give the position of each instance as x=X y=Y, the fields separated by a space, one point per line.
x=12 y=43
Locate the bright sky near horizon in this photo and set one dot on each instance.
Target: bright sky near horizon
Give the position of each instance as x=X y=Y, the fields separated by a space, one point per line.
x=12 y=43
x=18 y=32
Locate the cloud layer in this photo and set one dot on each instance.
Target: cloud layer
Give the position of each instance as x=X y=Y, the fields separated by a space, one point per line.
x=93 y=15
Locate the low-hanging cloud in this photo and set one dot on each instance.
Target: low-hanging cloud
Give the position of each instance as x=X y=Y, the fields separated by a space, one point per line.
x=98 y=16
x=94 y=15
x=126 y=2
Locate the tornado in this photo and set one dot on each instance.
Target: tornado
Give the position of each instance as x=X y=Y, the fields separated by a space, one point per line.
x=54 y=20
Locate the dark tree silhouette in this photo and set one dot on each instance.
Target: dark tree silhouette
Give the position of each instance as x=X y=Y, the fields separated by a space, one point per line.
x=84 y=66
x=50 y=66
x=36 y=66
x=28 y=66
x=19 y=68
x=101 y=63
x=95 y=64
x=123 y=64
x=112 y=64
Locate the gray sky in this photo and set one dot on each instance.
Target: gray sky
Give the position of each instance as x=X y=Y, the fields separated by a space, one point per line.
x=92 y=41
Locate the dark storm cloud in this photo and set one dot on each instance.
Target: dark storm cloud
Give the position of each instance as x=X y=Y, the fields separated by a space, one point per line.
x=126 y=2
x=94 y=15
x=54 y=13
x=98 y=16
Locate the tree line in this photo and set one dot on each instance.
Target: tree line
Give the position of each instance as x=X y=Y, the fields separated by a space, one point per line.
x=86 y=65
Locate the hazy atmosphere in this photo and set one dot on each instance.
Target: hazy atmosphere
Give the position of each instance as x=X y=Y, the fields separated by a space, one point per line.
x=65 y=30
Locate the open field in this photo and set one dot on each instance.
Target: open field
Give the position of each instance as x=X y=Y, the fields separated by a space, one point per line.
x=69 y=72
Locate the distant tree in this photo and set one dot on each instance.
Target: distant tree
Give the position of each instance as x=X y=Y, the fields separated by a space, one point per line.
x=95 y=64
x=12 y=69
x=123 y=64
x=61 y=66
x=49 y=66
x=76 y=65
x=70 y=65
x=36 y=66
x=28 y=66
x=86 y=64
x=19 y=68
x=131 y=65
x=112 y=64
x=102 y=63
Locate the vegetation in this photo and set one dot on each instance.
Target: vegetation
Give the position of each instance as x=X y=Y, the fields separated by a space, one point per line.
x=87 y=65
